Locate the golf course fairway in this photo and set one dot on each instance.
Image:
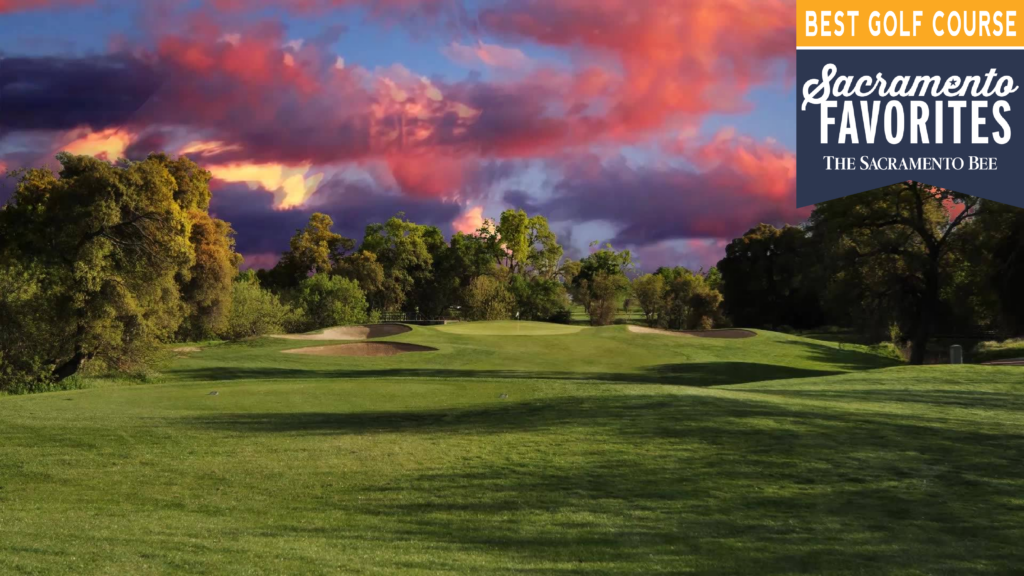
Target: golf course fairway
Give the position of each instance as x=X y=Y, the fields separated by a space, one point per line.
x=565 y=450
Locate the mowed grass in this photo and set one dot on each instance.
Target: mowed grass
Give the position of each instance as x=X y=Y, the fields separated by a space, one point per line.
x=610 y=453
x=509 y=328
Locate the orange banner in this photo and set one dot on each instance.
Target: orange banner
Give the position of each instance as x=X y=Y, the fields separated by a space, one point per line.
x=918 y=24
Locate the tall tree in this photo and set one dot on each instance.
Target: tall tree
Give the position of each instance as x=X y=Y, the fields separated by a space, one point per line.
x=771 y=277
x=365 y=270
x=908 y=226
x=104 y=244
x=523 y=244
x=403 y=249
x=313 y=249
x=996 y=248
x=603 y=262
x=206 y=287
x=649 y=290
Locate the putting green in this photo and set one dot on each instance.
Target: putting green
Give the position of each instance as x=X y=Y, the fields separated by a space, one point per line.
x=509 y=328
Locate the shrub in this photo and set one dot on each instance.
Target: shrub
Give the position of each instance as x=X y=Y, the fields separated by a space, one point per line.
x=989 y=351
x=331 y=301
x=256 y=311
x=604 y=294
x=538 y=298
x=888 y=350
x=488 y=299
x=563 y=316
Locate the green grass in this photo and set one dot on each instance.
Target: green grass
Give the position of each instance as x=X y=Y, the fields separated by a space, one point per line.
x=613 y=452
x=509 y=328
x=1005 y=350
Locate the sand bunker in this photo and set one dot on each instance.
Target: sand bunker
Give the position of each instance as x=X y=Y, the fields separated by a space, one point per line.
x=362 y=349
x=351 y=332
x=187 y=349
x=730 y=333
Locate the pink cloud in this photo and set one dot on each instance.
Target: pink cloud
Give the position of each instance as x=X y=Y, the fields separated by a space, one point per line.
x=490 y=54
x=469 y=221
x=256 y=261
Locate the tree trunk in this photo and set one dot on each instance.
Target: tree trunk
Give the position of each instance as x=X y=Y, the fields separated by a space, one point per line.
x=70 y=367
x=926 y=320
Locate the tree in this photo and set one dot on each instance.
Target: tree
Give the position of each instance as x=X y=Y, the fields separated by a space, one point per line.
x=192 y=182
x=313 y=249
x=649 y=290
x=906 y=228
x=603 y=263
x=488 y=298
x=102 y=245
x=28 y=325
x=995 y=248
x=403 y=250
x=206 y=288
x=537 y=298
x=365 y=270
x=331 y=301
x=605 y=290
x=772 y=277
x=704 y=307
x=523 y=244
x=713 y=279
x=679 y=294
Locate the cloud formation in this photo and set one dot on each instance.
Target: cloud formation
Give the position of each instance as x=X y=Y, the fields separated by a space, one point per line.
x=274 y=117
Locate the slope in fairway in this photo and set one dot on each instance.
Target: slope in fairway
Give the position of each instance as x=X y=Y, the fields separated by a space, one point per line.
x=509 y=328
x=599 y=452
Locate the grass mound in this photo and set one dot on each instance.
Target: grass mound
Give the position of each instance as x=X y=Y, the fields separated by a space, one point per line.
x=728 y=334
x=351 y=332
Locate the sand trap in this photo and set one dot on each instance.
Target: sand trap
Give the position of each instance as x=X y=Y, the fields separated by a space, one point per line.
x=729 y=333
x=187 y=349
x=352 y=332
x=362 y=349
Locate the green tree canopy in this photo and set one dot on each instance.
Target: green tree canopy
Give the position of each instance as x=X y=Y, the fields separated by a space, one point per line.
x=331 y=301
x=895 y=240
x=772 y=277
x=313 y=249
x=102 y=245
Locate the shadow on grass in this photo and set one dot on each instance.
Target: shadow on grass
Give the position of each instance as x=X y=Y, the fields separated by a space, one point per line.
x=846 y=358
x=689 y=483
x=700 y=374
x=970 y=399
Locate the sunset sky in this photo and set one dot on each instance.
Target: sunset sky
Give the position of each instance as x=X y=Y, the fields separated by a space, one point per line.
x=663 y=126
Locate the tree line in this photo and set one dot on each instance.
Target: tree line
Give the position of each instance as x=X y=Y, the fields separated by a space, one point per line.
x=102 y=263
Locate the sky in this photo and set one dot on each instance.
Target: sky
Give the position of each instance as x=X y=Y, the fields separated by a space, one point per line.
x=666 y=127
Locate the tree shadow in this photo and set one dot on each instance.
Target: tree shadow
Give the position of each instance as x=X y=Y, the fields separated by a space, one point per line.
x=700 y=374
x=695 y=483
x=844 y=358
x=970 y=399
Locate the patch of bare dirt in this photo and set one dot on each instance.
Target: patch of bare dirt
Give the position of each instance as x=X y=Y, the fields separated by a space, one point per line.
x=729 y=333
x=352 y=332
x=363 y=349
